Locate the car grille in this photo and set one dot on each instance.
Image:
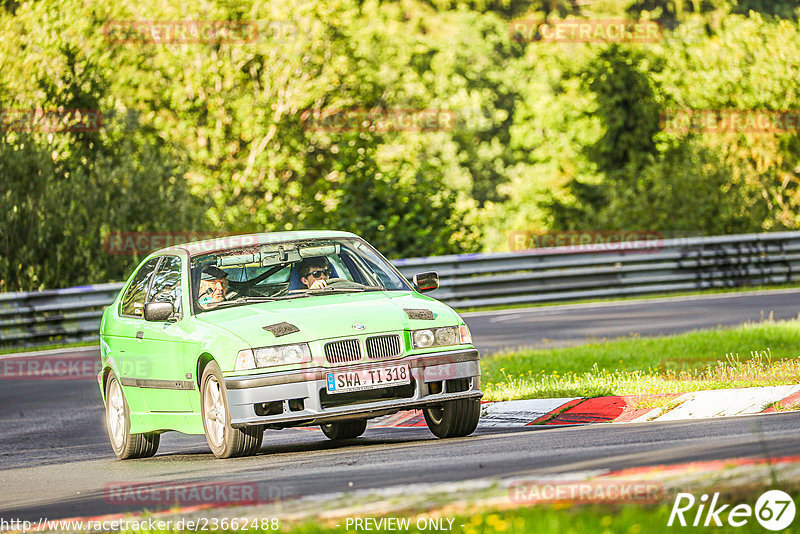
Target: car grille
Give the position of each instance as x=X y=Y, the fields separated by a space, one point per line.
x=347 y=350
x=383 y=346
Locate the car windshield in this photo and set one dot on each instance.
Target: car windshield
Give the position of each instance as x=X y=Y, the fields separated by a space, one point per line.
x=292 y=269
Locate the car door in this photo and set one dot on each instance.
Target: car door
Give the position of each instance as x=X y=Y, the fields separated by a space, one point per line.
x=161 y=346
x=123 y=341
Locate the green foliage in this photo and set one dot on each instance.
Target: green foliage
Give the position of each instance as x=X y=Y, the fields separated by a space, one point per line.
x=671 y=12
x=511 y=8
x=712 y=182
x=627 y=106
x=64 y=191
x=60 y=210
x=214 y=135
x=263 y=170
x=779 y=8
x=672 y=195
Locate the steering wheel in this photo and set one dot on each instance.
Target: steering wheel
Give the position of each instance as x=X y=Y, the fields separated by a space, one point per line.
x=330 y=281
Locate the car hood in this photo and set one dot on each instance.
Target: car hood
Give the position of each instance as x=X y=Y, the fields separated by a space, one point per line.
x=329 y=316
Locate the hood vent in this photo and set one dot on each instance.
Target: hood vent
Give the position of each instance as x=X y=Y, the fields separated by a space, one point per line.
x=421 y=314
x=282 y=329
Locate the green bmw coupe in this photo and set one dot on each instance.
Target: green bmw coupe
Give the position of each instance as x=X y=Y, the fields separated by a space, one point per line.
x=233 y=336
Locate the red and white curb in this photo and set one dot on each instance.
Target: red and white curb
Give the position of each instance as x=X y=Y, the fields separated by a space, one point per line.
x=620 y=409
x=723 y=403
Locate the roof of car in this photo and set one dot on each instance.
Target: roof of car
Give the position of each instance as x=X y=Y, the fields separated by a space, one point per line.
x=249 y=240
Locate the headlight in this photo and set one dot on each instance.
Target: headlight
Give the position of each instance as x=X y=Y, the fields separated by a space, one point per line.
x=446 y=336
x=282 y=355
x=435 y=337
x=271 y=356
x=422 y=338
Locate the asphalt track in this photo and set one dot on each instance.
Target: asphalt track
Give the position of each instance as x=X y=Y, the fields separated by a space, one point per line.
x=55 y=460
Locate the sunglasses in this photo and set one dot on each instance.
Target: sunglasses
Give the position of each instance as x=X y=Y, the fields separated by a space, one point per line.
x=319 y=273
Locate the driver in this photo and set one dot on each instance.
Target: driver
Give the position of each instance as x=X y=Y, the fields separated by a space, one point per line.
x=213 y=286
x=314 y=272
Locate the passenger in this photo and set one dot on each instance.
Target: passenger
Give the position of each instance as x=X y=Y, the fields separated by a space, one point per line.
x=213 y=286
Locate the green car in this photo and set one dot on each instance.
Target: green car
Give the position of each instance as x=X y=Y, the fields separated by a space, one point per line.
x=233 y=336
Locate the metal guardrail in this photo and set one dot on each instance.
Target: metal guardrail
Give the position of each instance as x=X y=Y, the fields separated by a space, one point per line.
x=475 y=280
x=635 y=268
x=53 y=316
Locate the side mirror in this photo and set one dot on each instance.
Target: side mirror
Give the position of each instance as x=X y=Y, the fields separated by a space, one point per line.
x=426 y=281
x=157 y=311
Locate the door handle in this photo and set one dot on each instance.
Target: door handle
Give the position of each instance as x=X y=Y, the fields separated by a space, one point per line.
x=140 y=334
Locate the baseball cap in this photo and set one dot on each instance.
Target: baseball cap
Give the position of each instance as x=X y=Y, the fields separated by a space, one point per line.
x=212 y=272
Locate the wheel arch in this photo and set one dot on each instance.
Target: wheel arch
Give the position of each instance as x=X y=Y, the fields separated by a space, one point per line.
x=202 y=361
x=107 y=370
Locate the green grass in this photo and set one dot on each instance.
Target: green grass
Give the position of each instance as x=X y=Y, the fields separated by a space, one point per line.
x=716 y=291
x=758 y=354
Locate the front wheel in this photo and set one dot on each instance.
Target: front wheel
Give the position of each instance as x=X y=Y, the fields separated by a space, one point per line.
x=348 y=430
x=118 y=425
x=224 y=440
x=454 y=418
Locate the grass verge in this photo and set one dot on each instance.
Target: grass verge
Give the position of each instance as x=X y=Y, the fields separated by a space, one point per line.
x=759 y=354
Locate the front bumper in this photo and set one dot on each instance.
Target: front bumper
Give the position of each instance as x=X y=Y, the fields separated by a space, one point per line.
x=431 y=375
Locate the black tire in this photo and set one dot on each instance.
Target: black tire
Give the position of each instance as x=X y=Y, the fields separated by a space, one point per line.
x=348 y=430
x=224 y=440
x=454 y=418
x=118 y=426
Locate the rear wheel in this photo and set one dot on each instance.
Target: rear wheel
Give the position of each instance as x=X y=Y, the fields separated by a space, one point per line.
x=454 y=418
x=224 y=440
x=348 y=430
x=118 y=425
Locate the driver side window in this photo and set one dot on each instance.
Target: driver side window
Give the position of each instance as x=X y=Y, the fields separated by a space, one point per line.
x=167 y=283
x=134 y=298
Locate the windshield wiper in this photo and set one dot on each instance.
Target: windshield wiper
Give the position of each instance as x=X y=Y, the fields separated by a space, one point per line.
x=241 y=300
x=253 y=300
x=330 y=289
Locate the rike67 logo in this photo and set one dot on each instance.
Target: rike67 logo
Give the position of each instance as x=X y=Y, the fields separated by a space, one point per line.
x=774 y=510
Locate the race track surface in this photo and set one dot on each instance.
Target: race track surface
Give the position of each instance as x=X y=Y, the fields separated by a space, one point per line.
x=55 y=460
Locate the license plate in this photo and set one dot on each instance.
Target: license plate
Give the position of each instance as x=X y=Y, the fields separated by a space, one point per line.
x=356 y=380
